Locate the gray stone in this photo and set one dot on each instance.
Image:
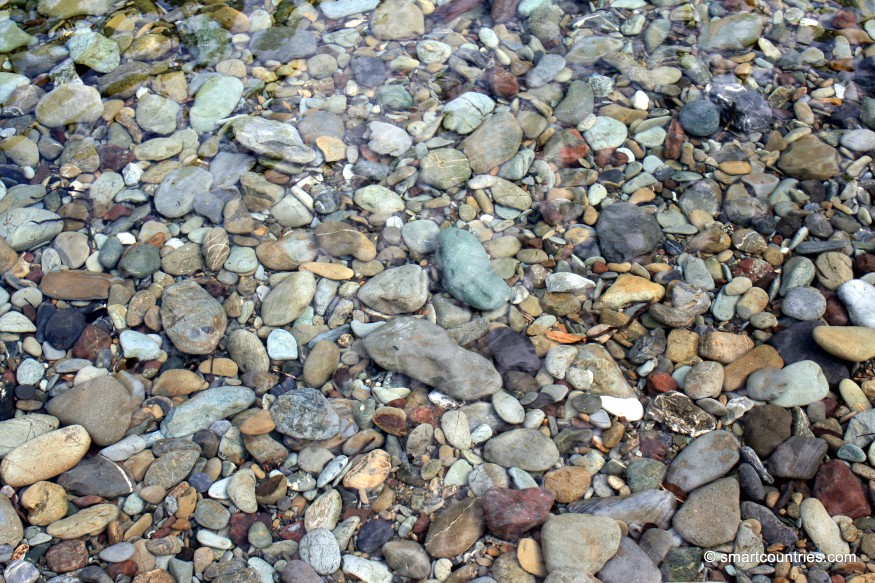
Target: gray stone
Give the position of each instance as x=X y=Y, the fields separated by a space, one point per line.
x=527 y=449
x=272 y=138
x=175 y=196
x=467 y=273
x=859 y=298
x=711 y=514
x=193 y=320
x=626 y=232
x=630 y=564
x=287 y=300
x=397 y=290
x=305 y=414
x=704 y=460
x=320 y=549
x=425 y=352
x=578 y=542
x=205 y=408
x=798 y=458
x=804 y=303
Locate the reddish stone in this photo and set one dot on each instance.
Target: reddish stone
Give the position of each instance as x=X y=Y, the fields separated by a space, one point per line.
x=753 y=268
x=117 y=211
x=67 y=556
x=511 y=513
x=864 y=264
x=422 y=524
x=674 y=139
x=294 y=531
x=661 y=382
x=840 y=491
x=239 y=526
x=126 y=568
x=503 y=83
x=113 y=157
x=87 y=501
x=836 y=313
x=504 y=10
x=422 y=414
x=844 y=19
x=599 y=267
x=91 y=342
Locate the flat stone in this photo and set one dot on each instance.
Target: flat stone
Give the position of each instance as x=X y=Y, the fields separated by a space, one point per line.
x=526 y=449
x=193 y=320
x=798 y=458
x=627 y=232
x=89 y=521
x=68 y=104
x=579 y=542
x=456 y=529
x=287 y=300
x=205 y=408
x=45 y=456
x=704 y=460
x=397 y=290
x=17 y=431
x=810 y=159
x=711 y=514
x=425 y=352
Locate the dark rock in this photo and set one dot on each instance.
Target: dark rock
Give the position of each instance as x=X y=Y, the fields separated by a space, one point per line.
x=373 y=535
x=798 y=458
x=751 y=483
x=796 y=343
x=63 y=328
x=745 y=109
x=511 y=513
x=700 y=117
x=626 y=232
x=774 y=531
x=97 y=476
x=766 y=427
x=368 y=71
x=512 y=351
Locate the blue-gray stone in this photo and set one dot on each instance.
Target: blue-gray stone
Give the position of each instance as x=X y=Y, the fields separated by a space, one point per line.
x=205 y=408
x=467 y=273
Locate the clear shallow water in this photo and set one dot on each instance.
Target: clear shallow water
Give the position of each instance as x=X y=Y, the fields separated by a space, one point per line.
x=380 y=288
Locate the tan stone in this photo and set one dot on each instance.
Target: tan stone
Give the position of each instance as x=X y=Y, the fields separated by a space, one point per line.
x=369 y=472
x=724 y=347
x=853 y=343
x=735 y=167
x=682 y=345
x=328 y=270
x=220 y=367
x=89 y=521
x=45 y=457
x=567 y=484
x=45 y=503
x=735 y=373
x=77 y=285
x=528 y=553
x=176 y=382
x=258 y=424
x=630 y=289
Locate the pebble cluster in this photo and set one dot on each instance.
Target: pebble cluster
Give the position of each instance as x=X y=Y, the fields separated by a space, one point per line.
x=377 y=290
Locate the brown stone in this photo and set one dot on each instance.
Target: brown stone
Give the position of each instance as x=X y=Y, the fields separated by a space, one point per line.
x=840 y=491
x=91 y=342
x=502 y=83
x=67 y=556
x=178 y=382
x=77 y=285
x=127 y=568
x=8 y=256
x=735 y=373
x=392 y=420
x=456 y=529
x=511 y=513
x=154 y=576
x=808 y=158
x=724 y=347
x=45 y=503
x=258 y=424
x=567 y=484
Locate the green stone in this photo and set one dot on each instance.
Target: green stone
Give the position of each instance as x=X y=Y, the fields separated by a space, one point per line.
x=394 y=97
x=12 y=37
x=467 y=272
x=444 y=168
